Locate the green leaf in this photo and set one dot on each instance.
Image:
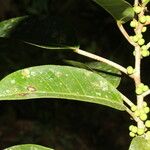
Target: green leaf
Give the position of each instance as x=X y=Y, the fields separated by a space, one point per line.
x=119 y=9
x=111 y=74
x=28 y=147
x=140 y=143
x=44 y=32
x=52 y=81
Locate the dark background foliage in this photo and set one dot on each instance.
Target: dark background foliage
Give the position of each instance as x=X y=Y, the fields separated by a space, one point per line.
x=61 y=124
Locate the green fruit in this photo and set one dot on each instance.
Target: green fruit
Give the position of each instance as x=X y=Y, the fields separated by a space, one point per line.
x=140 y=131
x=144 y=29
x=139 y=90
x=144 y=104
x=144 y=47
x=139 y=36
x=143 y=117
x=132 y=134
x=134 y=129
x=133 y=108
x=145 y=88
x=135 y=38
x=148 y=18
x=130 y=127
x=141 y=85
x=137 y=113
x=147 y=123
x=137 y=9
x=130 y=70
x=133 y=23
x=141 y=41
x=145 y=53
x=143 y=19
x=146 y=110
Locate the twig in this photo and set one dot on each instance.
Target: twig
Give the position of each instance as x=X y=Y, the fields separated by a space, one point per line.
x=131 y=114
x=124 y=32
x=98 y=58
x=146 y=93
x=126 y=100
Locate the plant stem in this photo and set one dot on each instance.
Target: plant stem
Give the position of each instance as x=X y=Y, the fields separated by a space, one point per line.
x=98 y=58
x=131 y=114
x=146 y=93
x=124 y=32
x=126 y=100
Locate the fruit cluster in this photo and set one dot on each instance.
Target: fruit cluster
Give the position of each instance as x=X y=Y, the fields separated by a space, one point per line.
x=142 y=115
x=138 y=38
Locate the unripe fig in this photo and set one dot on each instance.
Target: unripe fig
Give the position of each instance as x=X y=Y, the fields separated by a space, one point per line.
x=145 y=53
x=133 y=23
x=132 y=134
x=137 y=9
x=145 y=88
x=141 y=41
x=135 y=38
x=130 y=70
x=146 y=109
x=147 y=123
x=143 y=117
x=143 y=19
x=134 y=129
x=140 y=131
x=133 y=108
x=130 y=127
x=144 y=47
x=137 y=113
x=144 y=29
x=139 y=90
x=144 y=104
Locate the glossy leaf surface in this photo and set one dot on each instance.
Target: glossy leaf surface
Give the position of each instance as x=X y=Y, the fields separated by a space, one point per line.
x=51 y=81
x=28 y=147
x=140 y=143
x=119 y=9
x=111 y=74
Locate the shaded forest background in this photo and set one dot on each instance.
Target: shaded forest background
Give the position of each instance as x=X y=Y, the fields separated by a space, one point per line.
x=61 y=124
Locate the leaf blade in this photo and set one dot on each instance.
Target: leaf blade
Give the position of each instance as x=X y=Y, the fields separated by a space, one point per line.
x=28 y=147
x=140 y=143
x=119 y=9
x=51 y=81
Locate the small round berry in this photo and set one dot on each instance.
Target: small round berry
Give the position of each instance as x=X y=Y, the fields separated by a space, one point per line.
x=141 y=85
x=132 y=134
x=133 y=108
x=137 y=113
x=134 y=129
x=139 y=36
x=139 y=91
x=137 y=9
x=130 y=70
x=140 y=131
x=130 y=127
x=144 y=47
x=144 y=29
x=145 y=88
x=144 y=104
x=143 y=19
x=135 y=38
x=148 y=18
x=133 y=23
x=143 y=117
x=146 y=110
x=147 y=123
x=145 y=53
x=141 y=41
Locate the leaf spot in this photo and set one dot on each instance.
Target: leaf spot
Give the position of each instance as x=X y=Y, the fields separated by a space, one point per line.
x=26 y=73
x=12 y=81
x=31 y=89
